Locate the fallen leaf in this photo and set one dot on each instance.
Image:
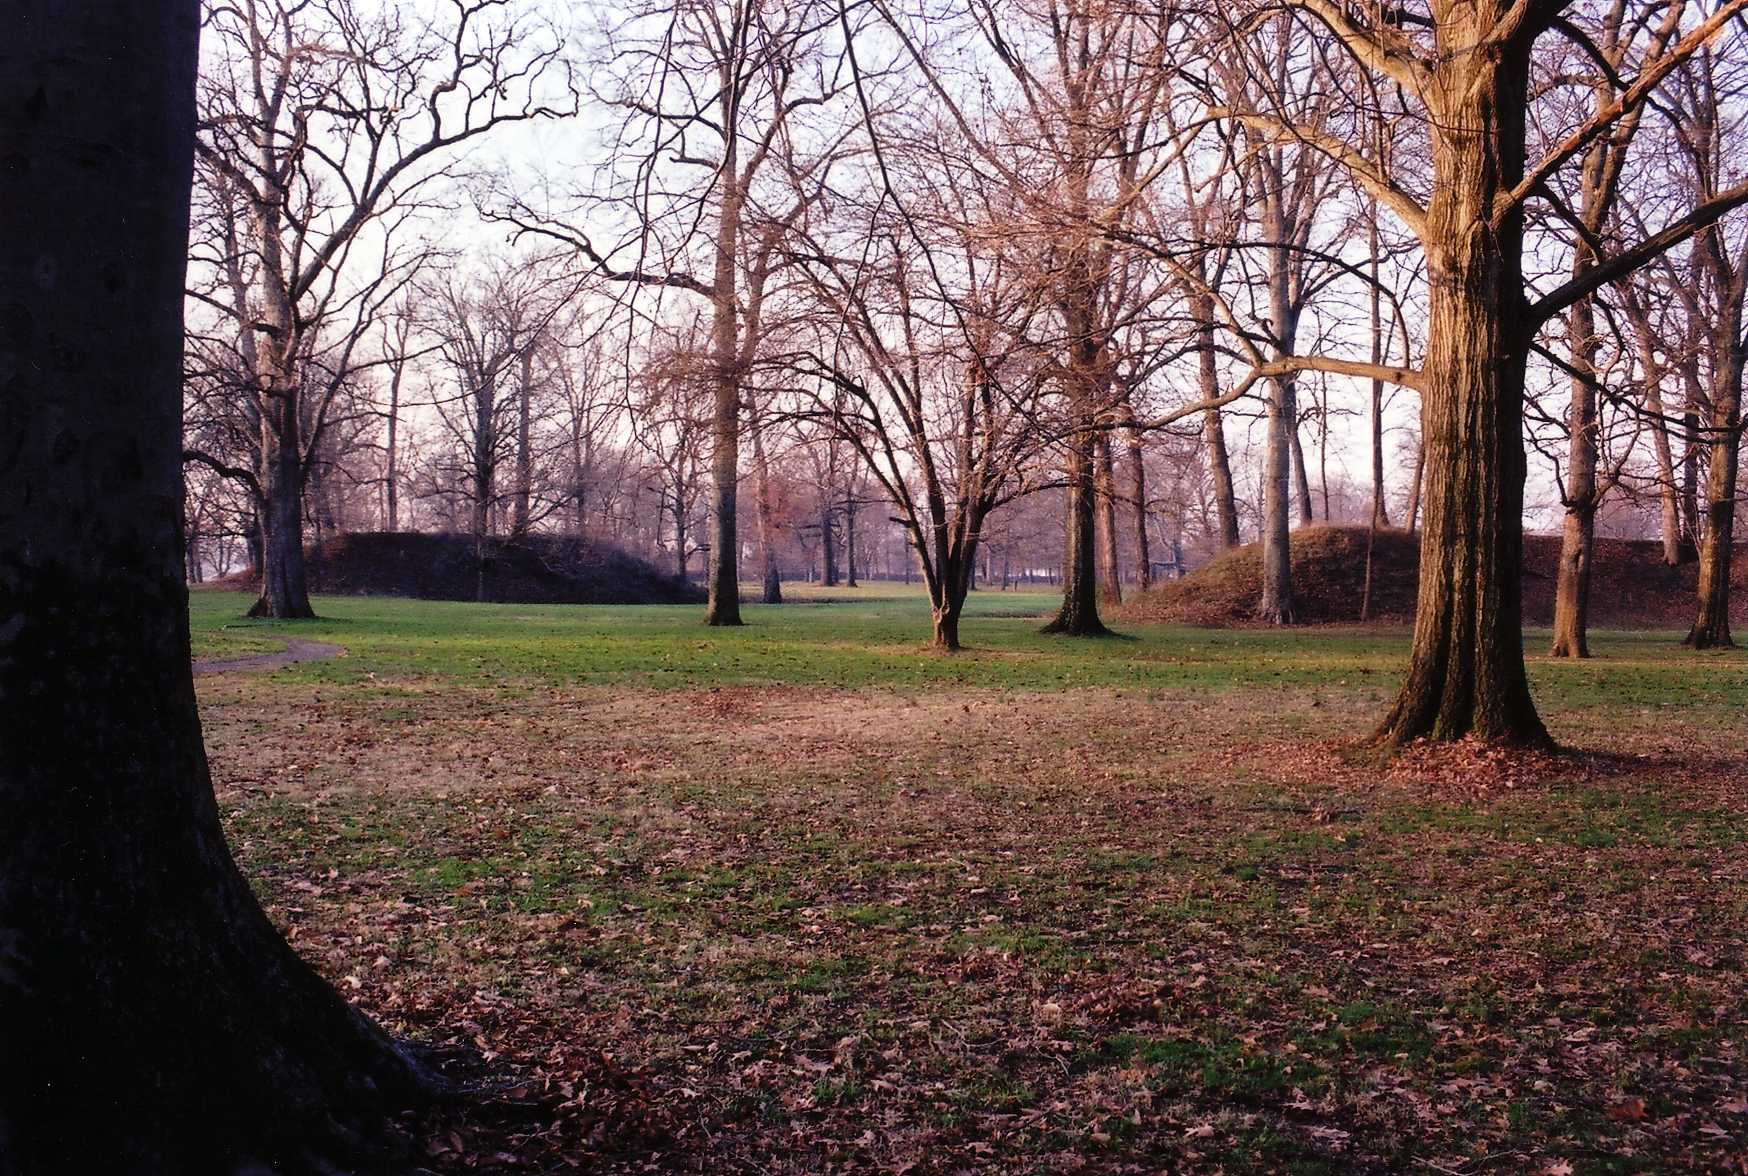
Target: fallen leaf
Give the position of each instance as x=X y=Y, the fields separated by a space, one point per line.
x=1628 y=1110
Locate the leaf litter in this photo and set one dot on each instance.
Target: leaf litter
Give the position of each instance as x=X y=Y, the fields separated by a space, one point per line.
x=800 y=930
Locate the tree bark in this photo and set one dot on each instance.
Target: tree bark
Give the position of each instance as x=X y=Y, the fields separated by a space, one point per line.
x=522 y=502
x=1578 y=534
x=1466 y=672
x=154 y=1022
x=1278 y=607
x=1213 y=424
x=1138 y=503
x=1110 y=575
x=773 y=578
x=1079 y=614
x=1711 y=625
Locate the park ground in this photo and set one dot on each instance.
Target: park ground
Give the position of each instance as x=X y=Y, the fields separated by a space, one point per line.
x=807 y=897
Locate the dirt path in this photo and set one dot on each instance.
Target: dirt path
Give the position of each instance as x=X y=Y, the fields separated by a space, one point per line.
x=296 y=650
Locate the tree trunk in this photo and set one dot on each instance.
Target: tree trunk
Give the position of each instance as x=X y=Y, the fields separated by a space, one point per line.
x=850 y=540
x=522 y=503
x=1668 y=489
x=1466 y=671
x=722 y=606
x=1079 y=614
x=773 y=580
x=828 y=539
x=1278 y=606
x=391 y=471
x=1213 y=425
x=1110 y=575
x=485 y=452
x=1301 y=474
x=1138 y=503
x=1578 y=535
x=284 y=581
x=1380 y=510
x=1711 y=626
x=154 y=1022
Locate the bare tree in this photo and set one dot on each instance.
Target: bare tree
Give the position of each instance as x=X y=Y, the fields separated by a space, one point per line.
x=490 y=330
x=323 y=130
x=1709 y=93
x=1469 y=66
x=707 y=90
x=1598 y=184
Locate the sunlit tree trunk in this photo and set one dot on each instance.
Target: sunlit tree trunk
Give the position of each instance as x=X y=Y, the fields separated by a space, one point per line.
x=1466 y=671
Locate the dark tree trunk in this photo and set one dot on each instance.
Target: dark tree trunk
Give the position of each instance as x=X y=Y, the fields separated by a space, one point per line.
x=850 y=540
x=773 y=581
x=522 y=506
x=1079 y=614
x=1578 y=534
x=828 y=541
x=284 y=579
x=1138 y=503
x=153 y=1021
x=1711 y=627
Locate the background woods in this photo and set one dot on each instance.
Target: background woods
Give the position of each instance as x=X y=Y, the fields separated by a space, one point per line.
x=1177 y=277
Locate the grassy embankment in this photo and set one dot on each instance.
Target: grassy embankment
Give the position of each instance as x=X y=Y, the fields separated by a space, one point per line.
x=834 y=902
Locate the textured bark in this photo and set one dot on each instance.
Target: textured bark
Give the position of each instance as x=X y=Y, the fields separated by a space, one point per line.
x=1466 y=672
x=152 y=1020
x=723 y=606
x=284 y=591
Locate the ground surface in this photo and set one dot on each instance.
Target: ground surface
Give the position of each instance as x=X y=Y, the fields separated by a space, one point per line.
x=986 y=918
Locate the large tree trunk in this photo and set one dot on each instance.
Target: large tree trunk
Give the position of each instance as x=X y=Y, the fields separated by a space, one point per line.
x=1466 y=672
x=722 y=606
x=152 y=1020
x=284 y=580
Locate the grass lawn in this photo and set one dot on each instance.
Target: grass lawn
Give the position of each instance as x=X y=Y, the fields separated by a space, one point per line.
x=808 y=897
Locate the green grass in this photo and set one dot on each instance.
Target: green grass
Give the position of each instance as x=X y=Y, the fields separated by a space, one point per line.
x=880 y=640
